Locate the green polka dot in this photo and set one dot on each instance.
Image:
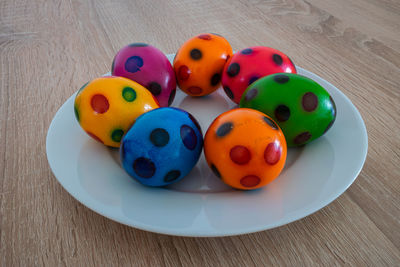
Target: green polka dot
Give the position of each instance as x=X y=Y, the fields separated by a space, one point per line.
x=116 y=135
x=76 y=113
x=129 y=94
x=82 y=87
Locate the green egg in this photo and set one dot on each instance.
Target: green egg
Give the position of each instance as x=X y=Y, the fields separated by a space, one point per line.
x=302 y=108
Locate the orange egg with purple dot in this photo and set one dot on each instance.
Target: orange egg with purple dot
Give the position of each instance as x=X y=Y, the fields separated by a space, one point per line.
x=199 y=63
x=245 y=148
x=107 y=107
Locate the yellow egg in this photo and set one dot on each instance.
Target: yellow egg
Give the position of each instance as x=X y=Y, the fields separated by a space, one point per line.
x=107 y=107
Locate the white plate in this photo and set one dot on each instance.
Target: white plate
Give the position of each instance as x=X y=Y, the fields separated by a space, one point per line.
x=200 y=204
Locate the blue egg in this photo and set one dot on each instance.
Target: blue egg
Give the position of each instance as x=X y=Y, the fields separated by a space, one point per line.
x=162 y=146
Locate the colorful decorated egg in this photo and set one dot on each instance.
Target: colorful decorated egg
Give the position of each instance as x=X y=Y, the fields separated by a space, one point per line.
x=250 y=64
x=199 y=63
x=303 y=109
x=245 y=148
x=162 y=146
x=148 y=66
x=106 y=107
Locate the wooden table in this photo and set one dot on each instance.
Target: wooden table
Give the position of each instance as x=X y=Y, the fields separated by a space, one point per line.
x=48 y=49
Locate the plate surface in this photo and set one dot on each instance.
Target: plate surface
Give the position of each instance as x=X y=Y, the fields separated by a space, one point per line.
x=201 y=205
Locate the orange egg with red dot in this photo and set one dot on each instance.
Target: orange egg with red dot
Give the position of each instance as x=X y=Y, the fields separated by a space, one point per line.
x=245 y=148
x=199 y=63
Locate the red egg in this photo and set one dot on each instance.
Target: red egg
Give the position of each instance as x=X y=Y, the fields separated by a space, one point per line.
x=250 y=64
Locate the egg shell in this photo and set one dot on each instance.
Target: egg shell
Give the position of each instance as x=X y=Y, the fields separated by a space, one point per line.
x=302 y=108
x=199 y=62
x=107 y=107
x=245 y=148
x=162 y=146
x=148 y=66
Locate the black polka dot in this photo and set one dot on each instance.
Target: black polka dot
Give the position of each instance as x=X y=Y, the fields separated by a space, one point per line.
x=172 y=176
x=193 y=119
x=233 y=69
x=154 y=88
x=215 y=79
x=251 y=94
x=144 y=167
x=302 y=138
x=277 y=59
x=195 y=54
x=159 y=137
x=133 y=64
x=282 y=113
x=229 y=92
x=253 y=79
x=224 y=129
x=215 y=171
x=188 y=136
x=171 y=97
x=138 y=45
x=281 y=78
x=309 y=101
x=247 y=51
x=271 y=123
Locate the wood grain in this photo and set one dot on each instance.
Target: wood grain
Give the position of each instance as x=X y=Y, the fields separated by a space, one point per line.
x=49 y=48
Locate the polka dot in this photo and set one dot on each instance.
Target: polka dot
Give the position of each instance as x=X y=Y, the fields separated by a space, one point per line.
x=195 y=54
x=83 y=87
x=133 y=64
x=159 y=137
x=247 y=51
x=171 y=97
x=240 y=155
x=172 y=176
x=272 y=153
x=99 y=103
x=250 y=181
x=281 y=78
x=253 y=79
x=277 y=59
x=224 y=129
x=128 y=94
x=154 y=88
x=271 y=123
x=193 y=119
x=116 y=135
x=282 y=113
x=76 y=111
x=95 y=137
x=233 y=69
x=188 y=137
x=215 y=171
x=144 y=167
x=215 y=79
x=228 y=92
x=204 y=37
x=183 y=73
x=302 y=138
x=195 y=90
x=309 y=101
x=251 y=94
x=138 y=45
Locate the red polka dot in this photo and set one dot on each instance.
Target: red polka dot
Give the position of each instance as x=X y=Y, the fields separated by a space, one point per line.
x=99 y=103
x=194 y=90
x=183 y=73
x=204 y=37
x=250 y=181
x=240 y=155
x=272 y=153
x=95 y=137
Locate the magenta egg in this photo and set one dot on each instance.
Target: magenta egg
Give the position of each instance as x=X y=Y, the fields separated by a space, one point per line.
x=148 y=66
